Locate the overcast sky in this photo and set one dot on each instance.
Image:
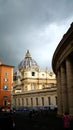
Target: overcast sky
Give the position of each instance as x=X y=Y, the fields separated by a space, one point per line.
x=34 y=25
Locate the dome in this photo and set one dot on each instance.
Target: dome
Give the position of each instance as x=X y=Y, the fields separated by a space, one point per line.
x=28 y=62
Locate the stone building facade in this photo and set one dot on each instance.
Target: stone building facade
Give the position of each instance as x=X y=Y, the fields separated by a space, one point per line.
x=33 y=87
x=62 y=64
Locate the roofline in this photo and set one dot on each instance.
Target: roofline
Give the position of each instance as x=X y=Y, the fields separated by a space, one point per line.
x=60 y=46
x=7 y=65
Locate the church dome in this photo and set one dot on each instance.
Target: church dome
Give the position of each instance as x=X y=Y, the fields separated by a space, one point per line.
x=28 y=62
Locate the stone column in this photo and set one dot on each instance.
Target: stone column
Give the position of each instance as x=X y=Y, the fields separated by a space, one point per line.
x=59 y=92
x=64 y=88
x=69 y=68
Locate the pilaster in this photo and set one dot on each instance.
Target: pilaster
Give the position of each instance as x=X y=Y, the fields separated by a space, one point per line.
x=59 y=93
x=64 y=88
x=69 y=68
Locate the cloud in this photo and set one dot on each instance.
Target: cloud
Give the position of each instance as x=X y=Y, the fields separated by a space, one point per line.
x=37 y=25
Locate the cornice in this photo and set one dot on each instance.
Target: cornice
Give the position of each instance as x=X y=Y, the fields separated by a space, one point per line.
x=64 y=48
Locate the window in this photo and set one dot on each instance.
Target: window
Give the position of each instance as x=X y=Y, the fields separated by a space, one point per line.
x=56 y=100
x=22 y=101
x=6 y=74
x=49 y=101
x=42 y=101
x=5 y=102
x=18 y=102
x=33 y=73
x=27 y=101
x=14 y=78
x=5 y=79
x=5 y=87
x=26 y=88
x=31 y=101
x=51 y=74
x=43 y=75
x=37 y=101
x=5 y=97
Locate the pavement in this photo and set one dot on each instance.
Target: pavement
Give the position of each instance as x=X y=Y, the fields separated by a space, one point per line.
x=37 y=122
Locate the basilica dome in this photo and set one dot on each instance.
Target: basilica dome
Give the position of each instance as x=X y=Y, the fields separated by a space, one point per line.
x=28 y=62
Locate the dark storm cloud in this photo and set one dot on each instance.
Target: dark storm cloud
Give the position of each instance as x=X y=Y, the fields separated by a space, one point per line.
x=26 y=24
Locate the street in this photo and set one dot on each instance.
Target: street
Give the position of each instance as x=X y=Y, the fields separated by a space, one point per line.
x=37 y=122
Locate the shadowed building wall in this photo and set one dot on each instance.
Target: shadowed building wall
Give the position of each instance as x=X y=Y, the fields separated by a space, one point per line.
x=62 y=64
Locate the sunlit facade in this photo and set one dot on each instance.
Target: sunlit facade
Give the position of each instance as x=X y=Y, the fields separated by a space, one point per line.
x=32 y=86
x=6 y=80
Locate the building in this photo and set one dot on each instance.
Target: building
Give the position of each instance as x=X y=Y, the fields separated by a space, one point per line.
x=33 y=87
x=6 y=80
x=62 y=64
